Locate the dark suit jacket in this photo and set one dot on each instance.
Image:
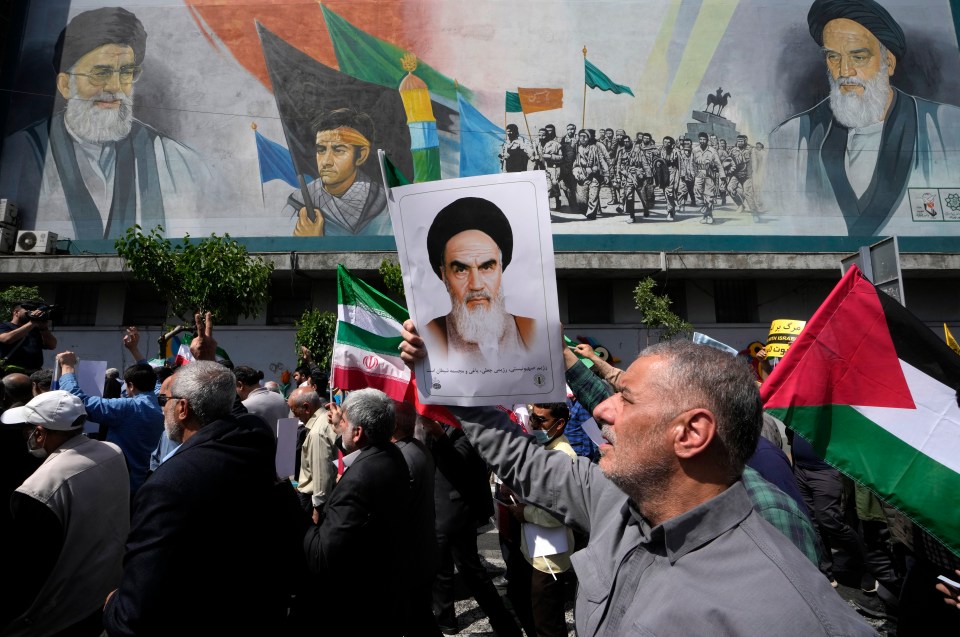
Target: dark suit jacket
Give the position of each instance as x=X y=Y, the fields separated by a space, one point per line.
x=419 y=461
x=360 y=548
x=214 y=531
x=461 y=490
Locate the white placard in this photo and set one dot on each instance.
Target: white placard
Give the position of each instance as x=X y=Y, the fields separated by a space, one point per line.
x=91 y=376
x=592 y=430
x=478 y=273
x=286 y=446
x=545 y=540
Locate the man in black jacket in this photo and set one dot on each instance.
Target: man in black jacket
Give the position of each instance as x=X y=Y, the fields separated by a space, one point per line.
x=463 y=502
x=211 y=524
x=360 y=546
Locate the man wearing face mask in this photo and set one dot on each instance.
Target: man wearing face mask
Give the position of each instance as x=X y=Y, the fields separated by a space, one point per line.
x=537 y=588
x=70 y=520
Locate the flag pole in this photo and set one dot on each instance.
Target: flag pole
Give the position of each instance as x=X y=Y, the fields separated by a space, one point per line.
x=263 y=199
x=525 y=122
x=583 y=122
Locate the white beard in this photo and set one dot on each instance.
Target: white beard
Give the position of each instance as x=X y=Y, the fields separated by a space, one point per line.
x=859 y=111
x=173 y=429
x=482 y=324
x=98 y=125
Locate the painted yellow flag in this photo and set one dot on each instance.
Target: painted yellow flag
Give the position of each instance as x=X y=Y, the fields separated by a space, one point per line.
x=952 y=342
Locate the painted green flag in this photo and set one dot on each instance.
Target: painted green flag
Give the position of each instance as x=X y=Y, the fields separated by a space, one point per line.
x=513 y=103
x=371 y=59
x=595 y=78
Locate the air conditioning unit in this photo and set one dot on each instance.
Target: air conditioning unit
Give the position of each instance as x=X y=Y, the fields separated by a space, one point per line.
x=8 y=239
x=8 y=212
x=36 y=241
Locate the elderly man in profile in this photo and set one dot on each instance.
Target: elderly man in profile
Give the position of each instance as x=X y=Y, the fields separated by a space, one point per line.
x=317 y=473
x=69 y=521
x=359 y=548
x=212 y=521
x=674 y=539
x=470 y=244
x=859 y=150
x=107 y=170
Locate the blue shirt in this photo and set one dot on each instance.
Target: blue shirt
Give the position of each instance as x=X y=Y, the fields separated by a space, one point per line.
x=135 y=423
x=578 y=438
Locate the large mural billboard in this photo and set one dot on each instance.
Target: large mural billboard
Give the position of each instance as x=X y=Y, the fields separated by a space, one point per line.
x=680 y=117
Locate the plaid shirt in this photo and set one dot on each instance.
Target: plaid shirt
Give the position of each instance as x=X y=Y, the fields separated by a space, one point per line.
x=576 y=436
x=775 y=506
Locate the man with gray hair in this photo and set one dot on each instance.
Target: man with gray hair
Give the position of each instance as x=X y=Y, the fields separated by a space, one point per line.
x=666 y=511
x=359 y=548
x=212 y=518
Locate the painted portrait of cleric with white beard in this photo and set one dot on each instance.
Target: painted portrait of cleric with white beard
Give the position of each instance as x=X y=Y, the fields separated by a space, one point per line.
x=94 y=168
x=845 y=166
x=482 y=288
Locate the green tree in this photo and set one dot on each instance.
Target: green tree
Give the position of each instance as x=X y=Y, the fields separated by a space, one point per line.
x=656 y=311
x=16 y=293
x=315 y=331
x=214 y=274
x=392 y=277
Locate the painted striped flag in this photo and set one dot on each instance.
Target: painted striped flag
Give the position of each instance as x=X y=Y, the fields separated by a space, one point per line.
x=874 y=390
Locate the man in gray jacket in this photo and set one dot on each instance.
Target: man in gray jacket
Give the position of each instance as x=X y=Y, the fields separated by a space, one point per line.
x=675 y=544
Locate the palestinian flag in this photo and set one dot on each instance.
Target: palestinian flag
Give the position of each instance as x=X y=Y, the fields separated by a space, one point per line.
x=874 y=390
x=366 y=345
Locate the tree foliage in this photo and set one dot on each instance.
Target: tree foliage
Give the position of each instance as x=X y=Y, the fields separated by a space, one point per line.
x=13 y=294
x=656 y=311
x=392 y=277
x=215 y=274
x=315 y=331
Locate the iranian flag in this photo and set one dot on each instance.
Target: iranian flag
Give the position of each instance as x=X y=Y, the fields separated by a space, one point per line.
x=366 y=346
x=874 y=390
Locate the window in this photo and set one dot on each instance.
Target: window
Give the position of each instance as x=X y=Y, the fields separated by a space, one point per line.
x=143 y=306
x=288 y=301
x=589 y=301
x=735 y=301
x=78 y=303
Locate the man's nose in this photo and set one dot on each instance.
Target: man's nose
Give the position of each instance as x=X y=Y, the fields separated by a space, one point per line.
x=846 y=68
x=475 y=281
x=606 y=411
x=324 y=158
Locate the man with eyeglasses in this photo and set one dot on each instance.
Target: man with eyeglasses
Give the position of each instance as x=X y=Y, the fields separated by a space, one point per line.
x=212 y=519
x=95 y=167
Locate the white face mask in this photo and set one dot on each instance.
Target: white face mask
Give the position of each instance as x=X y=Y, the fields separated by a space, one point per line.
x=36 y=452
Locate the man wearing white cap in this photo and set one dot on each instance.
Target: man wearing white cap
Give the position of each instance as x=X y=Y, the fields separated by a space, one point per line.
x=70 y=521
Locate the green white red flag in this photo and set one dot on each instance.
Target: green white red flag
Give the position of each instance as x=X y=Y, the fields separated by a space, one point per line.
x=366 y=345
x=874 y=390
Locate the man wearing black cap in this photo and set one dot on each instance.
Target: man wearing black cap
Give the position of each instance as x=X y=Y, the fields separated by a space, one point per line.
x=470 y=244
x=864 y=145
x=516 y=154
x=93 y=162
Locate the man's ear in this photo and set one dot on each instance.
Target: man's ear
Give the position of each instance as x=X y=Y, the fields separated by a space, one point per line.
x=693 y=432
x=358 y=434
x=363 y=155
x=891 y=63
x=63 y=85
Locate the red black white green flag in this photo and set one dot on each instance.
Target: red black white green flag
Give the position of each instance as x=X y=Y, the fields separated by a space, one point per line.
x=874 y=390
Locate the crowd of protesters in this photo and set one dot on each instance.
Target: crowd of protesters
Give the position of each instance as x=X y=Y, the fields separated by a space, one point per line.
x=698 y=514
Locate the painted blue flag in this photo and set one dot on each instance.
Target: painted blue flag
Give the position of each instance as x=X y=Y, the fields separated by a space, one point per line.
x=480 y=141
x=275 y=162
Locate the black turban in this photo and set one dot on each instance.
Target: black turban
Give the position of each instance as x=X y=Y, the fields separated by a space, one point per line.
x=867 y=13
x=92 y=29
x=469 y=213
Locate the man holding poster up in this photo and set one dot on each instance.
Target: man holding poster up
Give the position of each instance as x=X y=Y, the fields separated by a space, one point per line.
x=490 y=313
